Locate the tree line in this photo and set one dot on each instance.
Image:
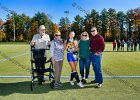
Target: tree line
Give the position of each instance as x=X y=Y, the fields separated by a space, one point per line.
x=110 y=24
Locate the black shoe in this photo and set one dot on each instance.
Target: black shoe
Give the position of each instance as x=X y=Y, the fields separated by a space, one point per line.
x=43 y=81
x=94 y=81
x=83 y=81
x=40 y=83
x=56 y=85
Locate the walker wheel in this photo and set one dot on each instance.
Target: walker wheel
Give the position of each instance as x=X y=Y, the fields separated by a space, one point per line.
x=52 y=84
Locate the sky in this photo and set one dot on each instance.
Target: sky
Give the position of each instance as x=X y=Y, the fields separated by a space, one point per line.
x=56 y=8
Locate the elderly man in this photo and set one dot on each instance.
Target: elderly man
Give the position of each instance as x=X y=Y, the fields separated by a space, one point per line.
x=97 y=46
x=41 y=41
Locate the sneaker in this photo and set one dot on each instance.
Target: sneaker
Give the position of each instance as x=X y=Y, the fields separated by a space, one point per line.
x=56 y=85
x=40 y=83
x=83 y=81
x=94 y=81
x=80 y=84
x=71 y=83
x=99 y=85
x=43 y=80
x=59 y=84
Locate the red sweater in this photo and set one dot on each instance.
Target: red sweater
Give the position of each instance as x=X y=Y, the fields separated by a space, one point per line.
x=114 y=44
x=97 y=43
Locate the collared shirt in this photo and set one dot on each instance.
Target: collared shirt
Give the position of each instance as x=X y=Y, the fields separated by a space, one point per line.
x=41 y=42
x=97 y=44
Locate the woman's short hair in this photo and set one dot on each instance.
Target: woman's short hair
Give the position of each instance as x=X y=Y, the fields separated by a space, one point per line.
x=57 y=32
x=87 y=37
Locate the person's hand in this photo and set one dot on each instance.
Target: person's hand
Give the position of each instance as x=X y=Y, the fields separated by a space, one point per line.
x=75 y=44
x=98 y=53
x=78 y=50
x=49 y=43
x=53 y=61
x=33 y=42
x=65 y=45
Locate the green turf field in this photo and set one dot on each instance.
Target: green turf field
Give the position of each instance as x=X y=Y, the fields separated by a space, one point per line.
x=114 y=64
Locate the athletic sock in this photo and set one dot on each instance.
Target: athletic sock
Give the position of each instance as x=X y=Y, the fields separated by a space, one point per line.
x=76 y=77
x=72 y=76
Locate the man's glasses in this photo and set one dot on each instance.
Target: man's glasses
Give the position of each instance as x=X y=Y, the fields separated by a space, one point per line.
x=92 y=30
x=84 y=35
x=57 y=35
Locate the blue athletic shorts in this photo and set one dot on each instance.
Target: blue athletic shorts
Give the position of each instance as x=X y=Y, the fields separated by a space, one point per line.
x=71 y=57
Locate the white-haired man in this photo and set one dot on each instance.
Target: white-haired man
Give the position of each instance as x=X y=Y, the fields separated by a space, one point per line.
x=41 y=41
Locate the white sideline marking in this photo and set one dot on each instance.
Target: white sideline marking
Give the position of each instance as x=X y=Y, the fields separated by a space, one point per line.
x=15 y=45
x=67 y=77
x=2 y=60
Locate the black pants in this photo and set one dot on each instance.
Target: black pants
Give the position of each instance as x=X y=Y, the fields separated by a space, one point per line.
x=40 y=64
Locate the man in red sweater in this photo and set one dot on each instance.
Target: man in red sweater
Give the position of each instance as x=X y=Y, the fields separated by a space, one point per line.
x=97 y=46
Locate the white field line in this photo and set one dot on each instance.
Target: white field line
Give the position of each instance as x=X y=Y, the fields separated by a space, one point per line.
x=2 y=60
x=67 y=77
x=14 y=45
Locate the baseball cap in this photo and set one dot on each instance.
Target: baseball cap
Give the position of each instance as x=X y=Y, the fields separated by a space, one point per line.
x=41 y=27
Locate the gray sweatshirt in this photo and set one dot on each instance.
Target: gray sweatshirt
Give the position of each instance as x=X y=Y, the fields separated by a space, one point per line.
x=57 y=50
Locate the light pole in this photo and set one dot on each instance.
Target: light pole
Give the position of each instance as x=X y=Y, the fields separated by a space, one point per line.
x=66 y=12
x=14 y=24
x=130 y=29
x=121 y=28
x=49 y=24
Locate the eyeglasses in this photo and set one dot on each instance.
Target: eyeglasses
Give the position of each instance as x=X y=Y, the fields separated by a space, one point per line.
x=92 y=30
x=84 y=35
x=57 y=35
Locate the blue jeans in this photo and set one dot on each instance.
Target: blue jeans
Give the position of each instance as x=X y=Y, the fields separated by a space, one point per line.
x=96 y=64
x=135 y=48
x=84 y=62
